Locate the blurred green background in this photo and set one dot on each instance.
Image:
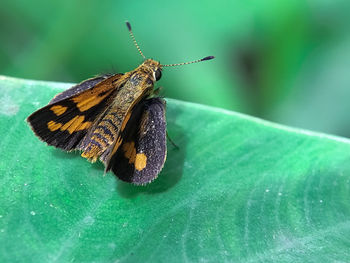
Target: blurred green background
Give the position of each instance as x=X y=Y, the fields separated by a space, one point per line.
x=286 y=61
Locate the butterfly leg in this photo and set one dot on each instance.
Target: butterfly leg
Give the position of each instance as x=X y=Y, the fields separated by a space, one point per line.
x=171 y=141
x=157 y=91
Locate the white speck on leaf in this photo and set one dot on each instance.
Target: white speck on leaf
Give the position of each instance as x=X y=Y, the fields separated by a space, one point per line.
x=89 y=220
x=32 y=213
x=112 y=245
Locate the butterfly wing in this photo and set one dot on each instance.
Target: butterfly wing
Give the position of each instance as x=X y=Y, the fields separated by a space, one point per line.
x=66 y=119
x=142 y=153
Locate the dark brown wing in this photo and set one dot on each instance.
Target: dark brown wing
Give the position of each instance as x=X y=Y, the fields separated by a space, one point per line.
x=65 y=121
x=142 y=153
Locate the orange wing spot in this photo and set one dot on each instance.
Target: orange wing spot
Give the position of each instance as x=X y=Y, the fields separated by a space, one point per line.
x=84 y=126
x=53 y=126
x=76 y=124
x=58 y=109
x=73 y=124
x=89 y=99
x=129 y=151
x=140 y=161
x=125 y=121
x=87 y=103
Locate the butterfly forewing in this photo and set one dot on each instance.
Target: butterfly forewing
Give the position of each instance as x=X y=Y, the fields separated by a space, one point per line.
x=65 y=121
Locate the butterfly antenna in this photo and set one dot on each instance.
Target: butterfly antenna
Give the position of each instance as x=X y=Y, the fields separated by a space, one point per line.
x=134 y=40
x=190 y=62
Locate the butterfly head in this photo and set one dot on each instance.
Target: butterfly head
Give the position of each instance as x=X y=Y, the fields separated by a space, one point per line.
x=153 y=68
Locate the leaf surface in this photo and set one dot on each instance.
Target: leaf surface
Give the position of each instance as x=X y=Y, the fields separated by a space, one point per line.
x=237 y=189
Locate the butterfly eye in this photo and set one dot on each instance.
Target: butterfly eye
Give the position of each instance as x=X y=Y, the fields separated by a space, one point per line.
x=158 y=74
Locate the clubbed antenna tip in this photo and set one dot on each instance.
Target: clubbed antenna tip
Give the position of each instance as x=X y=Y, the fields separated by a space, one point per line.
x=128 y=25
x=190 y=62
x=208 y=58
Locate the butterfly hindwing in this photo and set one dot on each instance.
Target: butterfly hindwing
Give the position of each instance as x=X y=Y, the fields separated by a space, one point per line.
x=65 y=121
x=142 y=153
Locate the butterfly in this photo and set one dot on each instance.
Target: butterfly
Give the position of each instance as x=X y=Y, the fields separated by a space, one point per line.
x=114 y=118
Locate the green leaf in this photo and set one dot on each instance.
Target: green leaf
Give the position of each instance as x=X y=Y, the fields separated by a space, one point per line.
x=238 y=189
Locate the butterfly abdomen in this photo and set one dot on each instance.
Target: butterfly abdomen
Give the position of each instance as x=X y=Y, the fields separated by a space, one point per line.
x=104 y=135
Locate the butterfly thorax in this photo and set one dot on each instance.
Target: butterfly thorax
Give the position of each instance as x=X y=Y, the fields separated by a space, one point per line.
x=104 y=139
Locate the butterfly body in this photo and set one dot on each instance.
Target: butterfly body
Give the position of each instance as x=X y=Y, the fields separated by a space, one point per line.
x=131 y=89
